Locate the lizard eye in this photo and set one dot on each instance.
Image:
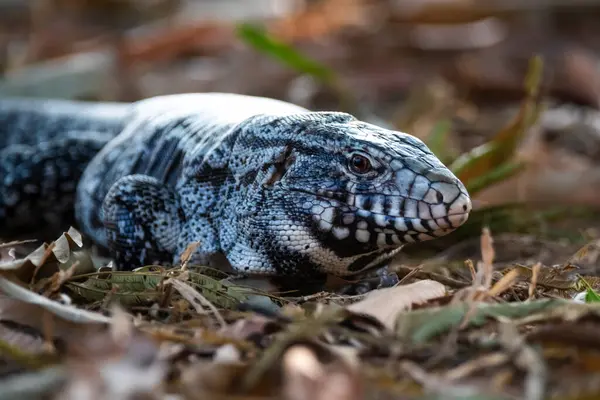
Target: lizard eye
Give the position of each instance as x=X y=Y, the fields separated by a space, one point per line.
x=360 y=164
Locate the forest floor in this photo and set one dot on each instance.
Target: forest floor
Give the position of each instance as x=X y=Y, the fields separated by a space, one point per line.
x=506 y=307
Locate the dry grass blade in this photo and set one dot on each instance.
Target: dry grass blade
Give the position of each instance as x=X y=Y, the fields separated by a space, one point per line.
x=434 y=384
x=482 y=280
x=385 y=304
x=504 y=283
x=16 y=243
x=487 y=257
x=491 y=162
x=534 y=278
x=196 y=299
x=476 y=365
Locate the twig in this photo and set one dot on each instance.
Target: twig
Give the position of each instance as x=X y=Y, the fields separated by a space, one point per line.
x=476 y=365
x=16 y=243
x=435 y=384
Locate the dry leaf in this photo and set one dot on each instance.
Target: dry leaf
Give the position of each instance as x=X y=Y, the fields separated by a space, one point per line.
x=385 y=304
x=195 y=299
x=188 y=253
x=18 y=304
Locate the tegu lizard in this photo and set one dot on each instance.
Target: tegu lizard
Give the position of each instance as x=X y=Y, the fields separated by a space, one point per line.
x=270 y=187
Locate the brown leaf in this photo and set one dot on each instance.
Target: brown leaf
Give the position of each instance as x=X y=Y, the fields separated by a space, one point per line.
x=17 y=304
x=385 y=304
x=188 y=253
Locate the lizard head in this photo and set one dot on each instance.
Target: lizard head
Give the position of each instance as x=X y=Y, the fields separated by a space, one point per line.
x=343 y=195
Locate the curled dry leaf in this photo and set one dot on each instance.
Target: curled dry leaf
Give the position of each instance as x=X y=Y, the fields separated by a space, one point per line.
x=385 y=304
x=33 y=385
x=69 y=313
x=47 y=259
x=67 y=241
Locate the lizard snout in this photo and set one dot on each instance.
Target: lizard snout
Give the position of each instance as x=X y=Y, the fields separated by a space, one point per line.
x=452 y=202
x=457 y=214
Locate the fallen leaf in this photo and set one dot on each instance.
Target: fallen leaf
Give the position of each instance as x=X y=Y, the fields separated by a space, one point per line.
x=22 y=306
x=385 y=304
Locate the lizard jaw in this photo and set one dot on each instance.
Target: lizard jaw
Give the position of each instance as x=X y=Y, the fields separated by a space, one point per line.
x=382 y=230
x=416 y=221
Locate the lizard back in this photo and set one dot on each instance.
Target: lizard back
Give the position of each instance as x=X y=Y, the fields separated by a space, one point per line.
x=160 y=136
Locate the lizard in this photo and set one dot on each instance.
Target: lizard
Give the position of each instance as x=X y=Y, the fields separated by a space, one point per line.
x=263 y=186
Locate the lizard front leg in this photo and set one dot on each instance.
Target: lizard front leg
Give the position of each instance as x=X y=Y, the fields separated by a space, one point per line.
x=143 y=221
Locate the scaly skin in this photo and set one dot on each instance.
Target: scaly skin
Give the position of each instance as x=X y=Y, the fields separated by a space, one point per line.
x=266 y=187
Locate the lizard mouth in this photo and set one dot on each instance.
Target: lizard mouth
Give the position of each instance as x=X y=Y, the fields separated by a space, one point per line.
x=382 y=224
x=384 y=230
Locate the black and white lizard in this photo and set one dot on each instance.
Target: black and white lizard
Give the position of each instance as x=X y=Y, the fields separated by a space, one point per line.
x=272 y=187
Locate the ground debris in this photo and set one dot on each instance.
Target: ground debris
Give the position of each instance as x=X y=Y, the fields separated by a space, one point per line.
x=508 y=313
x=504 y=332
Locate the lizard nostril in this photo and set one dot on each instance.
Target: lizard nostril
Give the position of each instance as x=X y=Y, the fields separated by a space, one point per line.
x=440 y=197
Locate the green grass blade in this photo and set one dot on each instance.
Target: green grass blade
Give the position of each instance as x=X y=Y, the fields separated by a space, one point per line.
x=263 y=42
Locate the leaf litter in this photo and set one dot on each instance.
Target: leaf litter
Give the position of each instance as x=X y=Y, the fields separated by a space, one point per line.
x=192 y=332
x=482 y=327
